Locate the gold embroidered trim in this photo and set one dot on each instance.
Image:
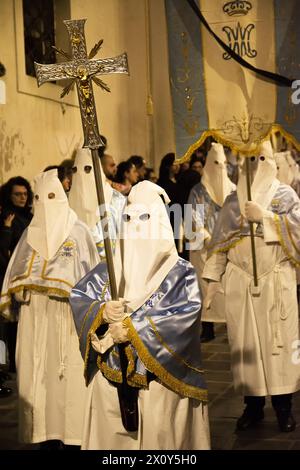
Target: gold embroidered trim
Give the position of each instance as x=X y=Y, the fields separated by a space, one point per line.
x=115 y=375
x=108 y=372
x=98 y=320
x=290 y=234
x=25 y=276
x=153 y=366
x=248 y=153
x=282 y=242
x=105 y=287
x=43 y=276
x=130 y=358
x=168 y=348
x=37 y=288
x=85 y=318
x=225 y=248
x=138 y=380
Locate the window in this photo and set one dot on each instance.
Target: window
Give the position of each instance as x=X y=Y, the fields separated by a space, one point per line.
x=43 y=28
x=39 y=33
x=38 y=26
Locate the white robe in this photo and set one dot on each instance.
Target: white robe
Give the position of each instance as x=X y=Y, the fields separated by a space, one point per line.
x=49 y=372
x=216 y=312
x=263 y=330
x=166 y=420
x=49 y=364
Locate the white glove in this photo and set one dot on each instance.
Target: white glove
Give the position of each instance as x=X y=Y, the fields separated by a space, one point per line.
x=101 y=345
x=254 y=212
x=114 y=311
x=22 y=296
x=118 y=332
x=212 y=288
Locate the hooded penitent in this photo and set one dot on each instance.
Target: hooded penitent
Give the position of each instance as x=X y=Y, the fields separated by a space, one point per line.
x=215 y=178
x=293 y=165
x=263 y=171
x=285 y=168
x=83 y=196
x=53 y=219
x=146 y=250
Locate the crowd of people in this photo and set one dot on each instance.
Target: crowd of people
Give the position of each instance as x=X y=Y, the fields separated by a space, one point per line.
x=54 y=278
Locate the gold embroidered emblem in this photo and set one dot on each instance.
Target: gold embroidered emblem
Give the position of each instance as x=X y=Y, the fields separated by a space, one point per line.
x=275 y=203
x=67 y=251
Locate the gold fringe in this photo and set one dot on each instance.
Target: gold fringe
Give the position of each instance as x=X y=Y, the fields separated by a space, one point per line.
x=109 y=373
x=34 y=287
x=171 y=351
x=86 y=317
x=130 y=358
x=153 y=366
x=133 y=379
x=225 y=248
x=45 y=290
x=227 y=143
x=105 y=287
x=138 y=380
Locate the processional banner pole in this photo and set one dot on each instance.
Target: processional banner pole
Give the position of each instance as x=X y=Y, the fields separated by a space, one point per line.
x=253 y=251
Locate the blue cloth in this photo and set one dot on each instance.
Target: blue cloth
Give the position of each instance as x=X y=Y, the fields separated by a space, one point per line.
x=164 y=333
x=231 y=227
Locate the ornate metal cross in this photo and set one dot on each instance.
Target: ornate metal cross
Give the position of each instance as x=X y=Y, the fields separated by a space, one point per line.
x=82 y=70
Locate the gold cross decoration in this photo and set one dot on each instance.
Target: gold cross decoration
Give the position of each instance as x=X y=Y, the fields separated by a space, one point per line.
x=82 y=69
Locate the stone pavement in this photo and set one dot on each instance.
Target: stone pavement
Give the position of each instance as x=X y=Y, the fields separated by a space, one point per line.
x=225 y=406
x=224 y=409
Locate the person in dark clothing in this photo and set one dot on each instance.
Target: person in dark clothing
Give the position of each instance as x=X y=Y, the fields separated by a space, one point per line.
x=16 y=198
x=168 y=171
x=188 y=179
x=4 y=259
x=167 y=176
x=15 y=202
x=126 y=177
x=140 y=166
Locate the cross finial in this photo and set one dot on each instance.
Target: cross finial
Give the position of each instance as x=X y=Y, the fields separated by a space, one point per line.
x=82 y=69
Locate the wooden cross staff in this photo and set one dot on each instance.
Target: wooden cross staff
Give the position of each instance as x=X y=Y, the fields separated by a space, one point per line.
x=82 y=70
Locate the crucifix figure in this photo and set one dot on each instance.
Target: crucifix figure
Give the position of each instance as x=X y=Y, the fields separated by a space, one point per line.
x=82 y=70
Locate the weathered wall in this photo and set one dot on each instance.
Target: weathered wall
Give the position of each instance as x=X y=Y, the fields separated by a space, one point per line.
x=39 y=131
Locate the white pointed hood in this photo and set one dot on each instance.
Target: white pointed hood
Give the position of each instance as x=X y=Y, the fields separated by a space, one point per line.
x=53 y=219
x=146 y=251
x=215 y=178
x=264 y=183
x=285 y=167
x=82 y=195
x=293 y=165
